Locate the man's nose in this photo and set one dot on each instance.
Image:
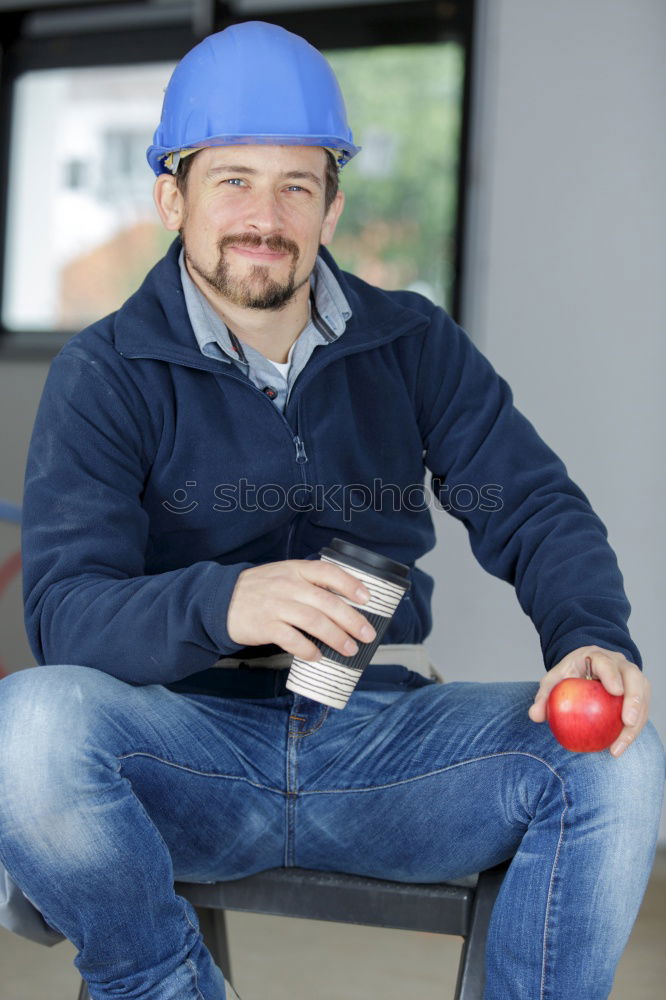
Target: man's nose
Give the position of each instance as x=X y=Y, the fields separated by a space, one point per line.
x=263 y=214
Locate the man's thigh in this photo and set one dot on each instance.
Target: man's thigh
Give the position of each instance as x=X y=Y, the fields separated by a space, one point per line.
x=422 y=785
x=215 y=789
x=208 y=771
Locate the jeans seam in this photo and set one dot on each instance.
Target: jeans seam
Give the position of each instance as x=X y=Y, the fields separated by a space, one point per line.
x=314 y=729
x=204 y=774
x=430 y=774
x=476 y=760
x=556 y=859
x=193 y=967
x=143 y=809
x=291 y=796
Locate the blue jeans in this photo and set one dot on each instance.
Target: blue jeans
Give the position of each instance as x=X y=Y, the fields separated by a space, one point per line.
x=109 y=791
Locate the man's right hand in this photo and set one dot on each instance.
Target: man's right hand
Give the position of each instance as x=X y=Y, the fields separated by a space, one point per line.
x=277 y=602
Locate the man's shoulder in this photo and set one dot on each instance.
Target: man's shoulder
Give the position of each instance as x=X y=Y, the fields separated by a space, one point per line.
x=93 y=344
x=372 y=306
x=144 y=321
x=390 y=300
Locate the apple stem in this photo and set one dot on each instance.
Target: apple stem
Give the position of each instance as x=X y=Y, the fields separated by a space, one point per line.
x=588 y=668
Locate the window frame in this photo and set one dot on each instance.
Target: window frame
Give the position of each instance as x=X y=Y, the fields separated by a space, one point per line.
x=46 y=36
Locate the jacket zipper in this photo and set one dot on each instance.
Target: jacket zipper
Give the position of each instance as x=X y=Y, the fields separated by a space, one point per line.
x=301 y=454
x=301 y=458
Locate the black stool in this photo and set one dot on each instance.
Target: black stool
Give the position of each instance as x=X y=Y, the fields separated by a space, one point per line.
x=462 y=907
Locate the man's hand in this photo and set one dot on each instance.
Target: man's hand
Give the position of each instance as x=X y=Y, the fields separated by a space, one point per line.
x=277 y=602
x=617 y=674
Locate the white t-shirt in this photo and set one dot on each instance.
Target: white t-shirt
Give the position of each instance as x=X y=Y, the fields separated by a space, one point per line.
x=283 y=366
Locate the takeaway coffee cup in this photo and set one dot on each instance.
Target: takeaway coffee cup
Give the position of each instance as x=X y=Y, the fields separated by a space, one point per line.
x=332 y=679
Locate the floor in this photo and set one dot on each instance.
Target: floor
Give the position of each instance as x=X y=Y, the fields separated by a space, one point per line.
x=307 y=960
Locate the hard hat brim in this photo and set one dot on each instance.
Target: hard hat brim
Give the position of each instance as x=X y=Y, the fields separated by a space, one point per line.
x=346 y=150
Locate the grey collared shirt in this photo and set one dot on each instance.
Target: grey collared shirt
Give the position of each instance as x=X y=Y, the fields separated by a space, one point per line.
x=329 y=312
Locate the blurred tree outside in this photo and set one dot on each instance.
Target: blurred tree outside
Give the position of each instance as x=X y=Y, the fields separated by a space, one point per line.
x=404 y=105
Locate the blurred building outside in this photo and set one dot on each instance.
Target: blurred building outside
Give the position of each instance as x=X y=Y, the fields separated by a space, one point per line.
x=83 y=230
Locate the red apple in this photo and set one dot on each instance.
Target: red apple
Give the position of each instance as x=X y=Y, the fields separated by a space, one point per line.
x=583 y=715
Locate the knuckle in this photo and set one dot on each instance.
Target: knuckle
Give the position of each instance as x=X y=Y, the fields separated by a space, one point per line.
x=335 y=604
x=283 y=635
x=337 y=636
x=312 y=618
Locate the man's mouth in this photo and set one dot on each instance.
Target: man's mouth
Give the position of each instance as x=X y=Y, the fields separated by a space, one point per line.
x=259 y=255
x=260 y=251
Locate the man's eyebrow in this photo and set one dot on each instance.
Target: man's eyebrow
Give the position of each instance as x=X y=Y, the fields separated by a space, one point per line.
x=230 y=168
x=303 y=175
x=237 y=168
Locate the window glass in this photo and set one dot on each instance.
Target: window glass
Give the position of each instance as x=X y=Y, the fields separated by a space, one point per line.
x=404 y=104
x=82 y=229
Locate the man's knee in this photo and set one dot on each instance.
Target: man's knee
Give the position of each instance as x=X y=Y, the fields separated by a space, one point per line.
x=624 y=793
x=46 y=715
x=642 y=767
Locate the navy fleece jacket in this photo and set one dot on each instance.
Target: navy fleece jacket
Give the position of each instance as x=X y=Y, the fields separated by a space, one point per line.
x=136 y=527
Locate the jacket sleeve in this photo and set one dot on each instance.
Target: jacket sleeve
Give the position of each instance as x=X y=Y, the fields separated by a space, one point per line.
x=528 y=523
x=88 y=599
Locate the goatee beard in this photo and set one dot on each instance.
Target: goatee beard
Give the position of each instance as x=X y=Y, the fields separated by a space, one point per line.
x=257 y=290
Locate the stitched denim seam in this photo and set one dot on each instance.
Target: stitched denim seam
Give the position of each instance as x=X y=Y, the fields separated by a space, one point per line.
x=292 y=807
x=550 y=885
x=204 y=774
x=430 y=774
x=314 y=729
x=192 y=966
x=183 y=906
x=476 y=760
x=187 y=917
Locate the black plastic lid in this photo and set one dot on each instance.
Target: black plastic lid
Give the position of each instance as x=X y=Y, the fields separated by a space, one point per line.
x=366 y=559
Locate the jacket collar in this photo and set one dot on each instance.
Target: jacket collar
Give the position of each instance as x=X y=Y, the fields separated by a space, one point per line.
x=154 y=322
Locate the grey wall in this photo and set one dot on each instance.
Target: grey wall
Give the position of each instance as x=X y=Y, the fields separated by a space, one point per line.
x=566 y=261
x=566 y=295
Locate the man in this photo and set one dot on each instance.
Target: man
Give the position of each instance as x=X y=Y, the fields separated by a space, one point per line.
x=167 y=583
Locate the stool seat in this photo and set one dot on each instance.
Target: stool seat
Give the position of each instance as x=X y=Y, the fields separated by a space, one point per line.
x=348 y=899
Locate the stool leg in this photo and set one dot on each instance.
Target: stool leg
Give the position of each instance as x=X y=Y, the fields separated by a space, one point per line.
x=213 y=927
x=472 y=969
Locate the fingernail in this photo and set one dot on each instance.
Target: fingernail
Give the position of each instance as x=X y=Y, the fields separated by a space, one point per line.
x=632 y=716
x=367 y=633
x=362 y=594
x=350 y=647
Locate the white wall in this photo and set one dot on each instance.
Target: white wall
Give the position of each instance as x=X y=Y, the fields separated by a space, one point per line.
x=566 y=295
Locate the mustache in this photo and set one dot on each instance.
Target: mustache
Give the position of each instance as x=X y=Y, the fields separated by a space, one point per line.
x=274 y=243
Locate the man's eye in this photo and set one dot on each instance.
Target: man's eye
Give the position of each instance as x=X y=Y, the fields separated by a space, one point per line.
x=235 y=181
x=295 y=187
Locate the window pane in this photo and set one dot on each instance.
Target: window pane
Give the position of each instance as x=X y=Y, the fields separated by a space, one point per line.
x=404 y=104
x=83 y=230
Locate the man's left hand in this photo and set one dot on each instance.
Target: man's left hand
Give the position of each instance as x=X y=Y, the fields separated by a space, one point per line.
x=617 y=674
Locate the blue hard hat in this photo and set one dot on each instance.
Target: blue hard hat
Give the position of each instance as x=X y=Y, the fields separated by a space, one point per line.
x=252 y=83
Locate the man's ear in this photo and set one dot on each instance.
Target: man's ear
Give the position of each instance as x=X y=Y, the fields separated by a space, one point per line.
x=331 y=218
x=169 y=202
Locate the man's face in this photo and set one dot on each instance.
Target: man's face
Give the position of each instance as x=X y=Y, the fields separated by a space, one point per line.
x=252 y=218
